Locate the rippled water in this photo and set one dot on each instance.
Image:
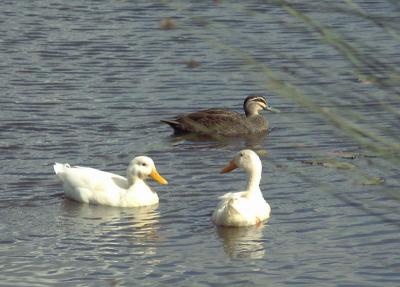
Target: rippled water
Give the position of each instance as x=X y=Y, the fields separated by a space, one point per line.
x=86 y=82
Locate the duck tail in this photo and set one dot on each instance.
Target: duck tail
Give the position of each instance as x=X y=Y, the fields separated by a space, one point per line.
x=172 y=123
x=176 y=125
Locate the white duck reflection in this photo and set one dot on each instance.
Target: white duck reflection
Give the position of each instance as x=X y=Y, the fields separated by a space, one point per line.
x=134 y=224
x=243 y=242
x=107 y=234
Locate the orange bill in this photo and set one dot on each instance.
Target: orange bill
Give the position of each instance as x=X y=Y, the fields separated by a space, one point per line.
x=231 y=166
x=157 y=177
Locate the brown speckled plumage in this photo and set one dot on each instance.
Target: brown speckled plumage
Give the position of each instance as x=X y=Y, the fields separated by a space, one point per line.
x=221 y=122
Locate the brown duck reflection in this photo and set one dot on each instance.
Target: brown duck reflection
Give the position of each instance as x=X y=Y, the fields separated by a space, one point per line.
x=256 y=143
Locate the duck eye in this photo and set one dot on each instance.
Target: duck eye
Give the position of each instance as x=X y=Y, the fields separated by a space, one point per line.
x=241 y=154
x=144 y=164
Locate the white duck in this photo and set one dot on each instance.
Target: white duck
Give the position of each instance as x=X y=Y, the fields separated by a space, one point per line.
x=246 y=207
x=89 y=185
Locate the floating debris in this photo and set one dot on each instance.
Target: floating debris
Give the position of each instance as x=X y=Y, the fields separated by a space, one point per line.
x=350 y=155
x=261 y=152
x=168 y=24
x=200 y=21
x=367 y=80
x=374 y=181
x=191 y=64
x=347 y=155
x=329 y=163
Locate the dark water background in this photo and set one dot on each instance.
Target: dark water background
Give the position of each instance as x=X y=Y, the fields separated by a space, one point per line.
x=86 y=82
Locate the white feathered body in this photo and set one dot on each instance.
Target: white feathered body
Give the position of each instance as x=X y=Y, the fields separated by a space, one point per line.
x=241 y=209
x=247 y=207
x=94 y=186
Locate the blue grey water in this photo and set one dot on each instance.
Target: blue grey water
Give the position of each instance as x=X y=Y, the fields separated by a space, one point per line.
x=87 y=82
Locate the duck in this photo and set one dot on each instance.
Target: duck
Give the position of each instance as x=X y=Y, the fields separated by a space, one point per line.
x=223 y=122
x=244 y=208
x=93 y=186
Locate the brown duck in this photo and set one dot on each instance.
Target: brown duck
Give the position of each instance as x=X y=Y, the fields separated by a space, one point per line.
x=222 y=122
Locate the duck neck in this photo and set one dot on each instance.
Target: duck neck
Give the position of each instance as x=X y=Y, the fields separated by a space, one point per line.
x=252 y=110
x=253 y=182
x=133 y=180
x=251 y=113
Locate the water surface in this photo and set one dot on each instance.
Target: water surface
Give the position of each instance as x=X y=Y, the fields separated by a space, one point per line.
x=86 y=82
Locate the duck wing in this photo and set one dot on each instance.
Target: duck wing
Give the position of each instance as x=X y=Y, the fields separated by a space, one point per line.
x=85 y=183
x=234 y=200
x=211 y=121
x=234 y=209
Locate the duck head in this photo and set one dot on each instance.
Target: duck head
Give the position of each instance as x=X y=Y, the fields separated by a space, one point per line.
x=245 y=159
x=254 y=104
x=142 y=167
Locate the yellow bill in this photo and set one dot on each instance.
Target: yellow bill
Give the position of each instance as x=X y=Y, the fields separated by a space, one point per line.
x=157 y=177
x=231 y=166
